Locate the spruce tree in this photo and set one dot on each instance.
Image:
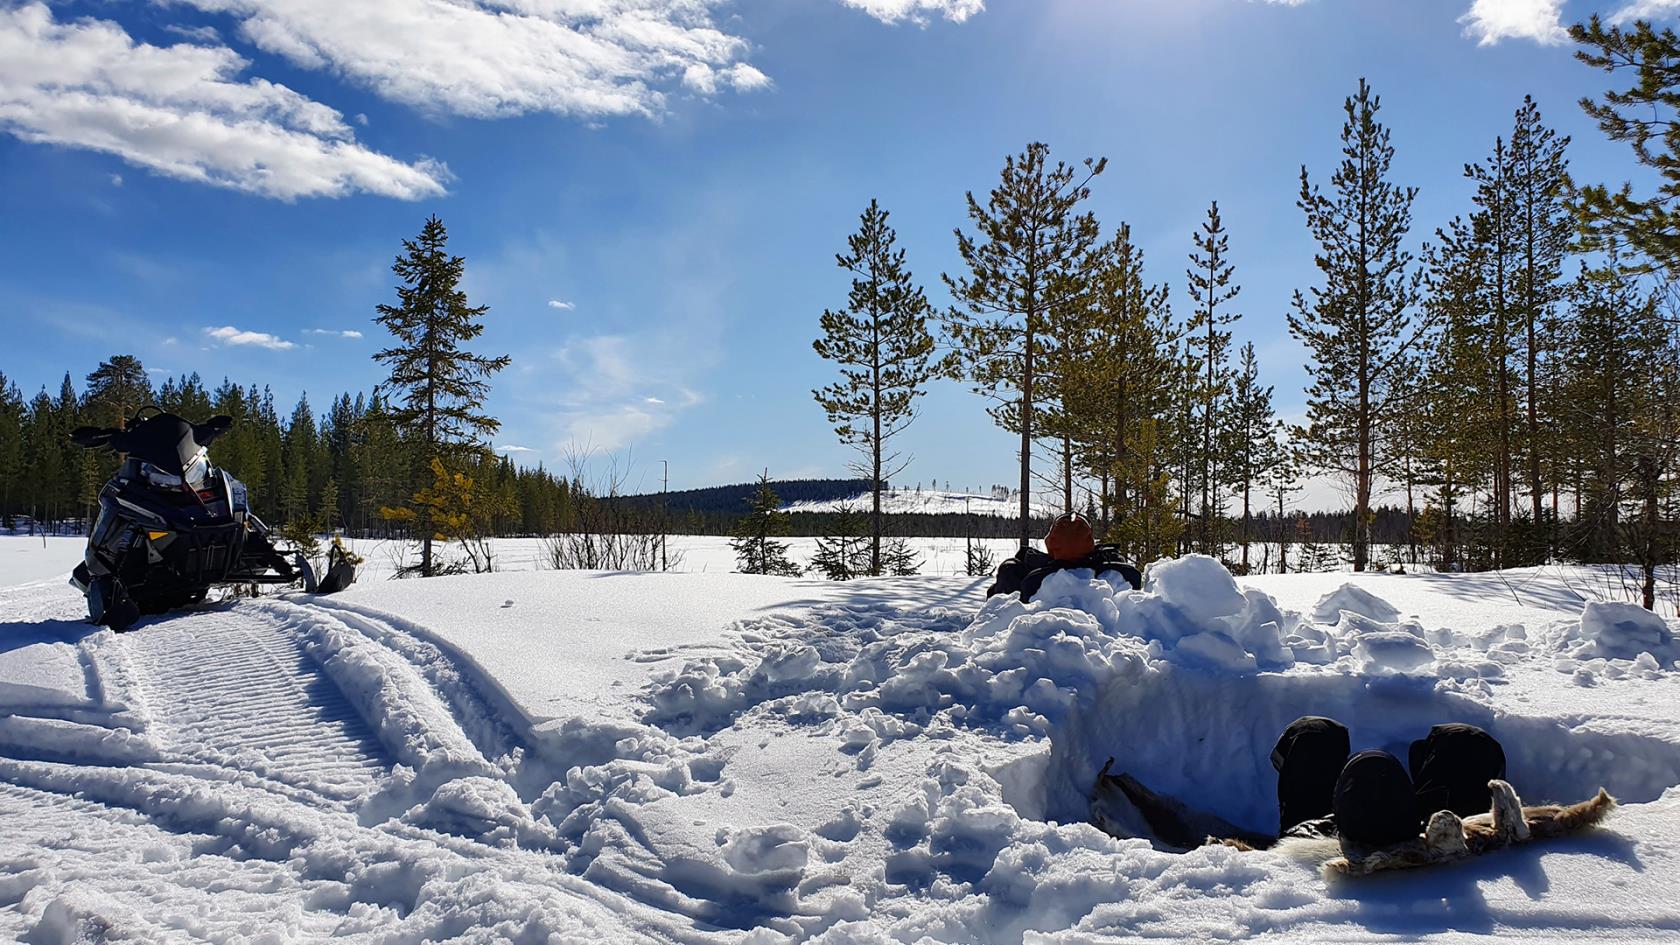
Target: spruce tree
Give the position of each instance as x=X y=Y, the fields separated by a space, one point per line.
x=1030 y=237
x=756 y=549
x=885 y=353
x=12 y=470
x=437 y=387
x=1356 y=325
x=1210 y=284
x=845 y=552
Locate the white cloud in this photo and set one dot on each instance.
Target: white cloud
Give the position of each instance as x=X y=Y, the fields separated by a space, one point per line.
x=510 y=448
x=607 y=377
x=1489 y=21
x=1646 y=10
x=561 y=305
x=919 y=11
x=229 y=335
x=334 y=332
x=184 y=112
x=116 y=180
x=494 y=58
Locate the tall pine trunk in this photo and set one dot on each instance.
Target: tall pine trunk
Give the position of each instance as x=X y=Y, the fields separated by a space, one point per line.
x=1026 y=426
x=876 y=444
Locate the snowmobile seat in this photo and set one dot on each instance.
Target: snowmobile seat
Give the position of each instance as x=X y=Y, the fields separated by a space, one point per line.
x=1309 y=757
x=1457 y=760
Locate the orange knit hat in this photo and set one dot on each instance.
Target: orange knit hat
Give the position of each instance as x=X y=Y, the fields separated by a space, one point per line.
x=1070 y=538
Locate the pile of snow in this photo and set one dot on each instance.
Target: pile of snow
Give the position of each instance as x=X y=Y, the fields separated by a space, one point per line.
x=1619 y=630
x=1194 y=610
x=1353 y=599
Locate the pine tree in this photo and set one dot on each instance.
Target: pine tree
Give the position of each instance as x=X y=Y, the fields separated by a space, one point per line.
x=116 y=389
x=756 y=549
x=1643 y=116
x=1030 y=238
x=1615 y=355
x=1210 y=284
x=1248 y=438
x=1357 y=325
x=1494 y=224
x=1283 y=482
x=1454 y=441
x=885 y=353
x=1124 y=379
x=439 y=388
x=1539 y=180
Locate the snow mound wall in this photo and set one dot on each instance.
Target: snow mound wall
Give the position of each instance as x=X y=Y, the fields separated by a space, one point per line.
x=1187 y=684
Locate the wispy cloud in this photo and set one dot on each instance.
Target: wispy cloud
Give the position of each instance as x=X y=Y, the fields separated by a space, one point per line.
x=497 y=58
x=1490 y=21
x=510 y=448
x=184 y=111
x=918 y=11
x=608 y=377
x=561 y=305
x=334 y=332
x=235 y=337
x=1646 y=10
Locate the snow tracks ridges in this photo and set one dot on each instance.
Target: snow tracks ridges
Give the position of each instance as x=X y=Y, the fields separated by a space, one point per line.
x=275 y=770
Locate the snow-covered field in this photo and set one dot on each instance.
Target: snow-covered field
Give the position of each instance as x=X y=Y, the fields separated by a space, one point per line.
x=542 y=756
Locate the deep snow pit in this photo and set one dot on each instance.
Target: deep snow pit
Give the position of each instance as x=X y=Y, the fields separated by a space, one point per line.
x=1206 y=739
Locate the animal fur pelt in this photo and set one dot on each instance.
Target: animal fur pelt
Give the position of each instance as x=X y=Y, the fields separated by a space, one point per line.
x=1122 y=807
x=1448 y=838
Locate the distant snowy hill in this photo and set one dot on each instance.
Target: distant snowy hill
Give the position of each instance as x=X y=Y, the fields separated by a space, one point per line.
x=935 y=502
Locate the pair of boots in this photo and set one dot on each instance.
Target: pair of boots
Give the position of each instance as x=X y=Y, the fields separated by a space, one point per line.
x=1370 y=798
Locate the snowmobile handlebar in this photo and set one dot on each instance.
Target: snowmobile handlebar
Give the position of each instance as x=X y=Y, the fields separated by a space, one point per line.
x=115 y=439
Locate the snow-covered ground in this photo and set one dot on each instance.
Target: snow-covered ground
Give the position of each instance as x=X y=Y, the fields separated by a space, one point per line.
x=542 y=756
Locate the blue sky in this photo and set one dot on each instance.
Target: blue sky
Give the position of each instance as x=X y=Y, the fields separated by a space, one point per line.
x=650 y=193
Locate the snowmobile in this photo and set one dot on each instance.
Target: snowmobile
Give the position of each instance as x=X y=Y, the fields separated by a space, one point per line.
x=171 y=526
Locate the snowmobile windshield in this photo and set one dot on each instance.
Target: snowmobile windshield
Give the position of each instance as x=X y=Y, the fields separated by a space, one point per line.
x=198 y=470
x=163 y=442
x=159 y=478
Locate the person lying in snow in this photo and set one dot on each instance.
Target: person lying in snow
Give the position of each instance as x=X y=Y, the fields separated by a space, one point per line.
x=1069 y=545
x=1453 y=803
x=1369 y=797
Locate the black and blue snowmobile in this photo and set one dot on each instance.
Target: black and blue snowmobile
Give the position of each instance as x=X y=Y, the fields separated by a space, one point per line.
x=171 y=526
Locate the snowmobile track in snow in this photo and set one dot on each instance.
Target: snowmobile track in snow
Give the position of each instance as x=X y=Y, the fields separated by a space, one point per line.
x=245 y=697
